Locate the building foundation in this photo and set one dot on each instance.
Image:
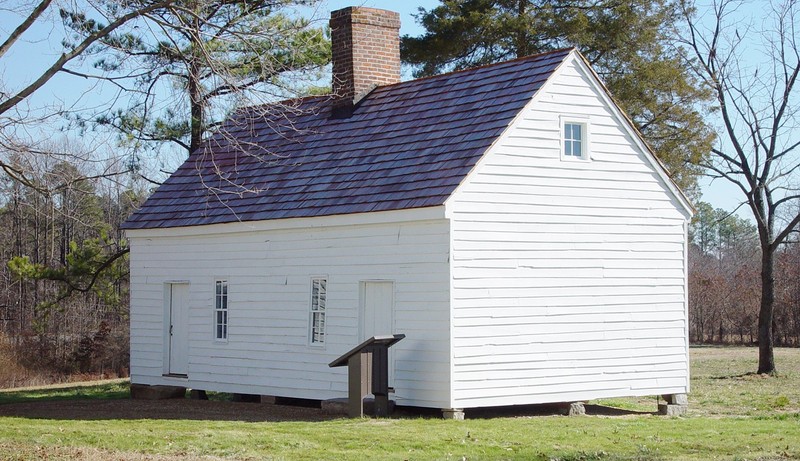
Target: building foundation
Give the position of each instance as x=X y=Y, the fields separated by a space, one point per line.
x=453 y=413
x=676 y=405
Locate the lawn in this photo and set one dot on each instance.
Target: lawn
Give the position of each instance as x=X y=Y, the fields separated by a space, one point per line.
x=734 y=416
x=110 y=389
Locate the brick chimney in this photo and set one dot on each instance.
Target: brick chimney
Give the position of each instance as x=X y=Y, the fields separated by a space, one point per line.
x=365 y=45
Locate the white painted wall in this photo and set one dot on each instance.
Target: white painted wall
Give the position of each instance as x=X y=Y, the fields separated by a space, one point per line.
x=269 y=266
x=568 y=276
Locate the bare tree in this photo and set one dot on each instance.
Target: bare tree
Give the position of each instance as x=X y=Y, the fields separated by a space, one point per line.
x=168 y=70
x=24 y=119
x=723 y=277
x=757 y=150
x=52 y=248
x=217 y=54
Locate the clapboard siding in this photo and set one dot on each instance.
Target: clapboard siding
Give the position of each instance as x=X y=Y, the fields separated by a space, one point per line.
x=269 y=273
x=568 y=277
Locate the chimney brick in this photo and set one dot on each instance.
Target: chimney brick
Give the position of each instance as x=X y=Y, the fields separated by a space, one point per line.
x=365 y=46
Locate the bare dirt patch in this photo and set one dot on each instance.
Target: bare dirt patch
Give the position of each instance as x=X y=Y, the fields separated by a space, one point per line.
x=215 y=410
x=162 y=409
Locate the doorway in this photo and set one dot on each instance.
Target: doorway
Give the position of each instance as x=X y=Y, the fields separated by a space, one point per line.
x=176 y=328
x=377 y=314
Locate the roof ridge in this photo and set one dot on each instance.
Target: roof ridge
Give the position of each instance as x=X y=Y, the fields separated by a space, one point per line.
x=302 y=99
x=530 y=57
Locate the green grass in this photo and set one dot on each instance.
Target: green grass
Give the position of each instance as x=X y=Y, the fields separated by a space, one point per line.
x=733 y=416
x=724 y=384
x=116 y=389
x=544 y=438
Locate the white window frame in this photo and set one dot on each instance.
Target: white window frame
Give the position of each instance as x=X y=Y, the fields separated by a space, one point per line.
x=318 y=304
x=583 y=122
x=221 y=303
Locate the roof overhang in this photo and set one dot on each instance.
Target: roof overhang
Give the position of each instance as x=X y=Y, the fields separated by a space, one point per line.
x=356 y=219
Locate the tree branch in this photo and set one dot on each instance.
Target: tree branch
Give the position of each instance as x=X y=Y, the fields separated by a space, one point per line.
x=26 y=24
x=58 y=65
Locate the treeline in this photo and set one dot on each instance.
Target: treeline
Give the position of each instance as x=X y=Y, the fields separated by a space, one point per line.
x=63 y=273
x=725 y=282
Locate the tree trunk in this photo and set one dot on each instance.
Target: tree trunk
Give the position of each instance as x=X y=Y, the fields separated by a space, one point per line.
x=196 y=122
x=522 y=44
x=766 y=359
x=194 y=88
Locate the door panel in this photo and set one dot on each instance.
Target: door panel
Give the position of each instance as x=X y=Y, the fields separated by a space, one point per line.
x=378 y=306
x=177 y=329
x=377 y=314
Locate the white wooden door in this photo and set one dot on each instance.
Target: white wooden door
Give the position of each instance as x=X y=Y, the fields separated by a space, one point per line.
x=177 y=329
x=377 y=314
x=377 y=309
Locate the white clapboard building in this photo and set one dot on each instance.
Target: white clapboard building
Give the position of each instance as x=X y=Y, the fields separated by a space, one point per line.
x=508 y=219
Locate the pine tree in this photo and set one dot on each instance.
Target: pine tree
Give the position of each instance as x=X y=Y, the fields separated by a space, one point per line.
x=627 y=43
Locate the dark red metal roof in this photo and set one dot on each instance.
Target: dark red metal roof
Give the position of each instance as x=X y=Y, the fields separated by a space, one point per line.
x=407 y=145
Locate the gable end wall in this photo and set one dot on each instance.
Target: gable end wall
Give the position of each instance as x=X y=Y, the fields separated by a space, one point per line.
x=568 y=277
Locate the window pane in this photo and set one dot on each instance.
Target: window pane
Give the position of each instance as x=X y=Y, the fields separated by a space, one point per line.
x=220 y=309
x=317 y=308
x=573 y=139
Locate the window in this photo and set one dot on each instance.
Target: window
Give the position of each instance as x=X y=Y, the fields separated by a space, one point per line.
x=575 y=140
x=221 y=310
x=319 y=297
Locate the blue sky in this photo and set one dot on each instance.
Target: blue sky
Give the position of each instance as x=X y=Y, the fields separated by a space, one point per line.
x=34 y=56
x=404 y=7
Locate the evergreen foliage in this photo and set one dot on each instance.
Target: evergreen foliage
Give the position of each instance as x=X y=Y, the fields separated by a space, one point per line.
x=627 y=43
x=202 y=59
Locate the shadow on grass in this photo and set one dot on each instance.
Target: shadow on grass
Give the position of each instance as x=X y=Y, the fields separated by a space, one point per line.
x=548 y=410
x=750 y=374
x=209 y=410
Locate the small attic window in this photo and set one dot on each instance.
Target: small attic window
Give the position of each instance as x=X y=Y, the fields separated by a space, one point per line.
x=574 y=139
